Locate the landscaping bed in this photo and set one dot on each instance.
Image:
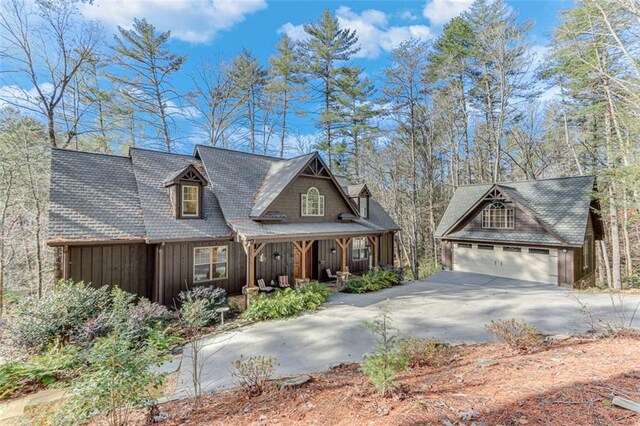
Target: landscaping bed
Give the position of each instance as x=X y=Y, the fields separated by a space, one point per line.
x=569 y=382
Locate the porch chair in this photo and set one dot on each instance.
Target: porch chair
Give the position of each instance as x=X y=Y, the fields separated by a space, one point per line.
x=263 y=287
x=331 y=275
x=283 y=281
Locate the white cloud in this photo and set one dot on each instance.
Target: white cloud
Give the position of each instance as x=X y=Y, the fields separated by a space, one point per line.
x=372 y=27
x=24 y=100
x=408 y=16
x=195 y=21
x=440 y=12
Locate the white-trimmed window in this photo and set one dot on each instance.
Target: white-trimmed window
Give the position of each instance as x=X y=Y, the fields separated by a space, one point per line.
x=359 y=249
x=209 y=263
x=190 y=200
x=498 y=216
x=364 y=207
x=312 y=203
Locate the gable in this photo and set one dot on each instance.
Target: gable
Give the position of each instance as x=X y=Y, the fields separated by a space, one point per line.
x=523 y=222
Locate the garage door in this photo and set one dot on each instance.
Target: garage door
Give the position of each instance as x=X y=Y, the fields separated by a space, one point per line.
x=522 y=263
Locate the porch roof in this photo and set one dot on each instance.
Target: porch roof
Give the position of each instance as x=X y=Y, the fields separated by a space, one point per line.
x=297 y=231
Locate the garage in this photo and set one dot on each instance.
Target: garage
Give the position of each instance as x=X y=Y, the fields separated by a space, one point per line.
x=538 y=264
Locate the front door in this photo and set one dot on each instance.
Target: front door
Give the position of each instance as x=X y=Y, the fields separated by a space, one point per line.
x=297 y=263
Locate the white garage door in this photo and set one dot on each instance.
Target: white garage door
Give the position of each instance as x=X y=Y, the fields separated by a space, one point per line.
x=523 y=263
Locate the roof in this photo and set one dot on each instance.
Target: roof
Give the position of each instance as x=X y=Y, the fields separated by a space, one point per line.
x=98 y=197
x=93 y=197
x=562 y=205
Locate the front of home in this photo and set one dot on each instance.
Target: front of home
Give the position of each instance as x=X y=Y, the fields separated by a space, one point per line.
x=543 y=231
x=156 y=224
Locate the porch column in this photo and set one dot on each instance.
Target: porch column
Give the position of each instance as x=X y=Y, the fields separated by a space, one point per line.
x=303 y=247
x=344 y=244
x=252 y=250
x=374 y=244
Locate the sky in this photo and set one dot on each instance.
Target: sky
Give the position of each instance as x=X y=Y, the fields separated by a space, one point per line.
x=204 y=29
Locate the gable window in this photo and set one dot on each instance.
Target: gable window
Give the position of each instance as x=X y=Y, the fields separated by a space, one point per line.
x=498 y=216
x=209 y=263
x=359 y=249
x=312 y=203
x=364 y=207
x=190 y=200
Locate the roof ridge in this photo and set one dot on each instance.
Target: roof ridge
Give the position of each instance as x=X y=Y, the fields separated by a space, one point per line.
x=155 y=151
x=526 y=180
x=245 y=152
x=103 y=154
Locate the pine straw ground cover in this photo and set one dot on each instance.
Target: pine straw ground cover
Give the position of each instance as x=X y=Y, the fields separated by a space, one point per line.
x=567 y=383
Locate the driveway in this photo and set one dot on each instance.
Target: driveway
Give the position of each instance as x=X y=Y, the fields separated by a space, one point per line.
x=450 y=306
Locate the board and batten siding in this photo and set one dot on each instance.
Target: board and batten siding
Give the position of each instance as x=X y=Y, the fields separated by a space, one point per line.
x=271 y=268
x=177 y=274
x=128 y=266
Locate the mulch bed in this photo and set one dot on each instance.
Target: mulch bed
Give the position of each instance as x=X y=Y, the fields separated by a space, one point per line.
x=566 y=383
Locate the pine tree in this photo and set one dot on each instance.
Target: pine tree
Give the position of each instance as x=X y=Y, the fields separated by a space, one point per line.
x=148 y=65
x=326 y=47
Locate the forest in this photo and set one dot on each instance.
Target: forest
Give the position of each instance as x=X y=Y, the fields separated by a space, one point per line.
x=468 y=106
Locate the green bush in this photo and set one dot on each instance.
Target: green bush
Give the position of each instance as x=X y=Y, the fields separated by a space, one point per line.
x=518 y=335
x=633 y=280
x=287 y=303
x=387 y=360
x=40 y=370
x=58 y=314
x=198 y=306
x=119 y=379
x=373 y=281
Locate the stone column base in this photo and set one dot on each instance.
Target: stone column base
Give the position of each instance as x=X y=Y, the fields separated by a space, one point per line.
x=250 y=293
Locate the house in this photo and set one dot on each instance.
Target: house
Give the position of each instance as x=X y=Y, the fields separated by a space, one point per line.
x=156 y=223
x=541 y=230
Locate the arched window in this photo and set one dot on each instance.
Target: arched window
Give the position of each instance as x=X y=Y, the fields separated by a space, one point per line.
x=312 y=203
x=498 y=216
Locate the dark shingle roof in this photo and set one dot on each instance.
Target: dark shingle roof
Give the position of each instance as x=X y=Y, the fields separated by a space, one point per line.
x=151 y=169
x=93 y=197
x=562 y=204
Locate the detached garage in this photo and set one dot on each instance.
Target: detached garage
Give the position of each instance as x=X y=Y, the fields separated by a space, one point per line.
x=542 y=231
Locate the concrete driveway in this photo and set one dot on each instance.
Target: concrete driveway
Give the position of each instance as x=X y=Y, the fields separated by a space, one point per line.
x=450 y=306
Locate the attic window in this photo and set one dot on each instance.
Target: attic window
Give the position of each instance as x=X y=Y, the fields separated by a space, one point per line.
x=190 y=200
x=498 y=216
x=312 y=203
x=363 y=202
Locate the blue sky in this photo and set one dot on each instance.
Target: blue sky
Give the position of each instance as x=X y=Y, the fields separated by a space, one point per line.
x=205 y=28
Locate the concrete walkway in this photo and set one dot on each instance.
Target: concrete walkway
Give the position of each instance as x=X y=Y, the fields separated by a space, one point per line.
x=450 y=306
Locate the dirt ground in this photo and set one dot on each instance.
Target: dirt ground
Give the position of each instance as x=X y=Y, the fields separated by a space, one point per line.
x=566 y=383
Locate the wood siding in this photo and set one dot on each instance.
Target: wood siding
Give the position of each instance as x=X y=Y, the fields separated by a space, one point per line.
x=128 y=266
x=289 y=201
x=447 y=255
x=523 y=222
x=178 y=268
x=386 y=249
x=326 y=259
x=271 y=268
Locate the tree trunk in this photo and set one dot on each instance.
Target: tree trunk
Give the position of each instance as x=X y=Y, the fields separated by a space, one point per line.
x=605 y=258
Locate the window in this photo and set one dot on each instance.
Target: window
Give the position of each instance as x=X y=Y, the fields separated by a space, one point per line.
x=498 y=216
x=484 y=247
x=364 y=207
x=538 y=251
x=512 y=249
x=209 y=263
x=190 y=200
x=312 y=203
x=359 y=249
x=465 y=245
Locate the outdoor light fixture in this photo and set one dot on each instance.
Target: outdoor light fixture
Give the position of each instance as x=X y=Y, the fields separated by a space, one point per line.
x=564 y=250
x=262 y=258
x=333 y=250
x=277 y=256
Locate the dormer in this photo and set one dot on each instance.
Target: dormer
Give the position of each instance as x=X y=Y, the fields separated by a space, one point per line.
x=360 y=196
x=186 y=191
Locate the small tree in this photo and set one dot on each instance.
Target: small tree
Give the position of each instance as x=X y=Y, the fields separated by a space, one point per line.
x=386 y=360
x=118 y=380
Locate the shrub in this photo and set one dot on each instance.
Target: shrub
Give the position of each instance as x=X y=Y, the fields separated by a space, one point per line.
x=399 y=271
x=387 y=360
x=633 y=280
x=372 y=281
x=423 y=352
x=253 y=373
x=287 y=303
x=41 y=370
x=119 y=378
x=199 y=305
x=516 y=334
x=57 y=315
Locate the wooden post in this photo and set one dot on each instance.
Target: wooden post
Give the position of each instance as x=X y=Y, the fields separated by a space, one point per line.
x=374 y=244
x=65 y=263
x=303 y=247
x=344 y=244
x=252 y=250
x=161 y=274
